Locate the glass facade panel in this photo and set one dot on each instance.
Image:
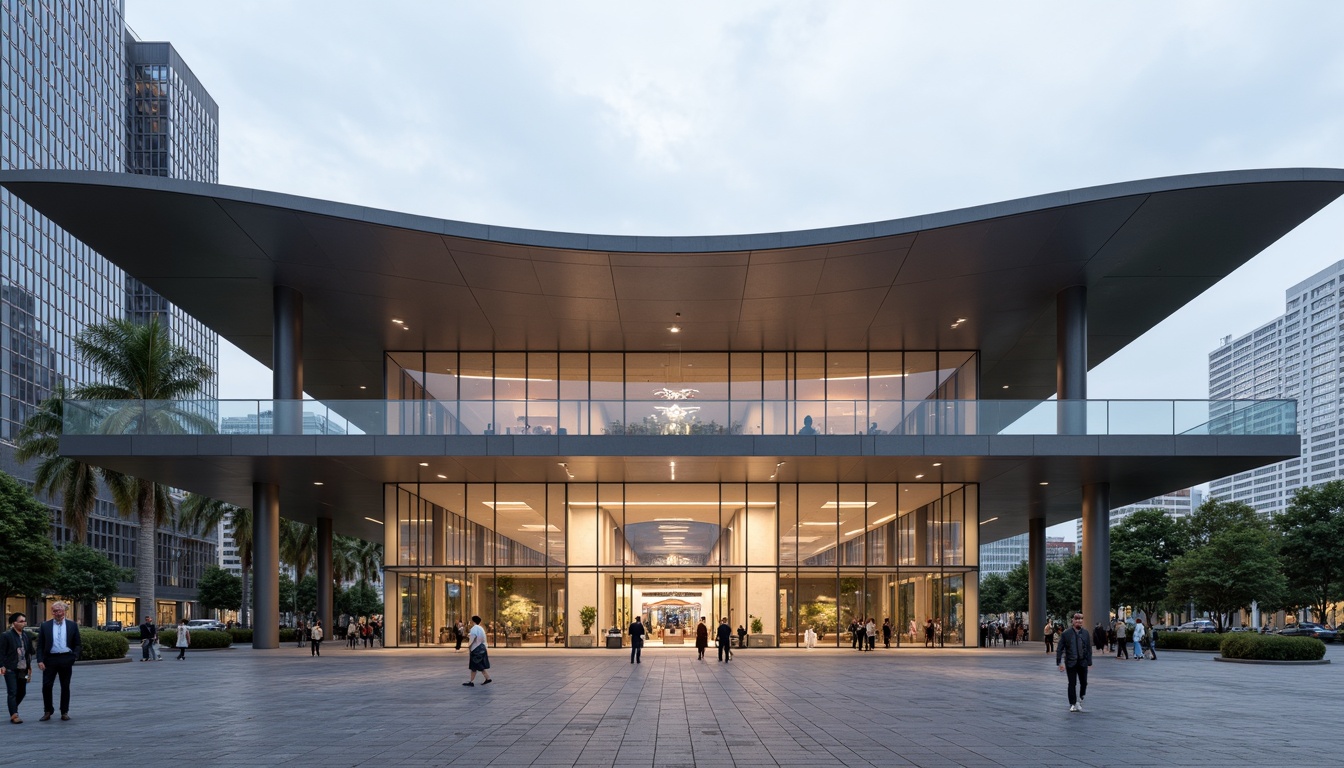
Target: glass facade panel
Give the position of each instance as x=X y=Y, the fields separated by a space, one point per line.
x=775 y=559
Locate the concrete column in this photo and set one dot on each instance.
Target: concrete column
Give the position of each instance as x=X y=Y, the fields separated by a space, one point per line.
x=1071 y=361
x=265 y=565
x=1036 y=577
x=287 y=360
x=1096 y=546
x=324 y=606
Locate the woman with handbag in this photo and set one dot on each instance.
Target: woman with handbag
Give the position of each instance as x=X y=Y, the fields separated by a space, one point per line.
x=183 y=639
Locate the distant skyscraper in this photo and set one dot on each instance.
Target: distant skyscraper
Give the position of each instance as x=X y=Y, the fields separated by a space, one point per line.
x=1296 y=356
x=1000 y=557
x=81 y=93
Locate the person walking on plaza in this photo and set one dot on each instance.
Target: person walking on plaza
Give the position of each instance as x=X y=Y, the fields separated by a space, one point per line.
x=149 y=635
x=352 y=633
x=1049 y=634
x=1099 y=637
x=636 y=640
x=741 y=637
x=461 y=633
x=183 y=639
x=723 y=637
x=1121 y=644
x=16 y=663
x=315 y=635
x=886 y=633
x=1152 y=642
x=701 y=639
x=870 y=633
x=478 y=658
x=928 y=633
x=57 y=651
x=1139 y=634
x=1074 y=656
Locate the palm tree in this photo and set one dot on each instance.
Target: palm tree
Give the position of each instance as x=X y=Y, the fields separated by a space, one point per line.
x=140 y=363
x=202 y=513
x=75 y=482
x=298 y=546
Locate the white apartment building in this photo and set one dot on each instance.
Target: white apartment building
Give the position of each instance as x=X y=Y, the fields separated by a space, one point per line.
x=1176 y=504
x=1294 y=356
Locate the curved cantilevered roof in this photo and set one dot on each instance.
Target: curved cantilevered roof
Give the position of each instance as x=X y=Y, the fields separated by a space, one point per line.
x=1143 y=249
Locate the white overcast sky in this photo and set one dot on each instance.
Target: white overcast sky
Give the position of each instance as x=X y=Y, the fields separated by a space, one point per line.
x=710 y=118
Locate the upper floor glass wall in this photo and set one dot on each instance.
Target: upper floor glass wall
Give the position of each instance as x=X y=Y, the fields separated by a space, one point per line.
x=651 y=392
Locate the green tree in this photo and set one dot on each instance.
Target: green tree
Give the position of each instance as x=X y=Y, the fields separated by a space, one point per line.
x=287 y=593
x=1310 y=532
x=28 y=561
x=143 y=376
x=1142 y=548
x=86 y=574
x=1230 y=561
x=1063 y=588
x=73 y=482
x=307 y=594
x=359 y=600
x=220 y=590
x=1017 y=597
x=993 y=594
x=298 y=545
x=202 y=514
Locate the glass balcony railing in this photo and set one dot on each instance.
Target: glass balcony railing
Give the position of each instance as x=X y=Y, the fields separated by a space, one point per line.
x=682 y=417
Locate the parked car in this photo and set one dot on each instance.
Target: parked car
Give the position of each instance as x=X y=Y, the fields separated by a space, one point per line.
x=1198 y=625
x=1310 y=629
x=210 y=624
x=111 y=626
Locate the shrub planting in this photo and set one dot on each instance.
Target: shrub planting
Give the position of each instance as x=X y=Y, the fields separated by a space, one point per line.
x=200 y=638
x=1248 y=645
x=1189 y=641
x=102 y=645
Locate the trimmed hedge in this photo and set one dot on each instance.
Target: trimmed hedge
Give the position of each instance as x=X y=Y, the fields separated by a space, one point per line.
x=289 y=635
x=102 y=645
x=1248 y=645
x=200 y=638
x=241 y=635
x=1190 y=641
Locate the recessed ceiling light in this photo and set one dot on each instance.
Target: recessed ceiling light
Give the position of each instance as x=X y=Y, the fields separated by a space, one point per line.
x=398 y=322
x=424 y=463
x=361 y=386
x=1005 y=386
x=674 y=329
x=317 y=482
x=443 y=477
x=1044 y=483
x=371 y=520
x=937 y=463
x=917 y=477
x=990 y=520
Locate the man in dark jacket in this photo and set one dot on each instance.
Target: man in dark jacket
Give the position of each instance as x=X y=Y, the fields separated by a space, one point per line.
x=637 y=641
x=149 y=634
x=723 y=636
x=17 y=657
x=1074 y=656
x=58 y=649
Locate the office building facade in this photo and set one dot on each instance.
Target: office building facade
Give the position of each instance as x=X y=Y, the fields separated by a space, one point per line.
x=81 y=93
x=1297 y=355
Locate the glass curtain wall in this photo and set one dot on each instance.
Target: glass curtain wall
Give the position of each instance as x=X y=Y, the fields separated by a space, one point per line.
x=573 y=564
x=637 y=393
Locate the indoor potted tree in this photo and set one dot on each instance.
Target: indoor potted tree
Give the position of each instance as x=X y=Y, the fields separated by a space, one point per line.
x=757 y=638
x=587 y=617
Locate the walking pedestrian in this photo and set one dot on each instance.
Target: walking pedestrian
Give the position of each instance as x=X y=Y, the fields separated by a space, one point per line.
x=723 y=636
x=149 y=634
x=183 y=640
x=1152 y=642
x=1121 y=644
x=16 y=663
x=1049 y=634
x=928 y=633
x=870 y=632
x=1139 y=634
x=57 y=651
x=701 y=639
x=741 y=637
x=461 y=633
x=1074 y=656
x=637 y=640
x=315 y=639
x=478 y=658
x=352 y=633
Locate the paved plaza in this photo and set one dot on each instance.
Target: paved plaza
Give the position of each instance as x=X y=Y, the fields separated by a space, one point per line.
x=908 y=707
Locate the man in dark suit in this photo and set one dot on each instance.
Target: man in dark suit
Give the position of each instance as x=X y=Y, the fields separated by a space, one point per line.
x=1074 y=656
x=637 y=641
x=725 y=632
x=57 y=651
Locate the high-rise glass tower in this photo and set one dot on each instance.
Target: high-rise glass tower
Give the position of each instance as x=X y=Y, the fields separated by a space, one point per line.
x=80 y=92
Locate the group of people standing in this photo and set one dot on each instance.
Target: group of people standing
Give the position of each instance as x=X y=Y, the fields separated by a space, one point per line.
x=360 y=632
x=863 y=633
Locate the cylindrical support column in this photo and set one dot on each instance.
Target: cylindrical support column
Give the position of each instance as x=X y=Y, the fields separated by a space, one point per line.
x=324 y=606
x=1035 y=576
x=266 y=565
x=1096 y=546
x=287 y=360
x=1071 y=359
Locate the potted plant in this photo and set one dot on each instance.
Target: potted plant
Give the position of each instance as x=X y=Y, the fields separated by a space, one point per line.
x=757 y=638
x=587 y=617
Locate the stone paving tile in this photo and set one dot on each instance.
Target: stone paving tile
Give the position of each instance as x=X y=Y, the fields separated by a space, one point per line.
x=908 y=707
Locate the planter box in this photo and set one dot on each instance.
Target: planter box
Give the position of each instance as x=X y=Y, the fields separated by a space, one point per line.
x=760 y=641
x=580 y=641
